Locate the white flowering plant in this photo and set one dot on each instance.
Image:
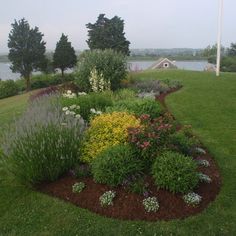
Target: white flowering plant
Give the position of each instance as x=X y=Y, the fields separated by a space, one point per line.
x=151 y=204
x=78 y=187
x=204 y=163
x=204 y=178
x=97 y=81
x=106 y=199
x=192 y=199
x=69 y=94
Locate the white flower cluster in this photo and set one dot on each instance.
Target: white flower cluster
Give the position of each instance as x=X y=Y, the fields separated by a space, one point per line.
x=97 y=82
x=69 y=94
x=204 y=178
x=81 y=93
x=92 y=110
x=78 y=187
x=204 y=163
x=200 y=150
x=192 y=198
x=106 y=199
x=72 y=110
x=151 y=204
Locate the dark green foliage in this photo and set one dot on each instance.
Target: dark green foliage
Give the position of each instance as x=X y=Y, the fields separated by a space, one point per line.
x=175 y=172
x=27 y=49
x=108 y=62
x=183 y=142
x=232 y=50
x=82 y=171
x=138 y=107
x=228 y=64
x=108 y=34
x=98 y=101
x=115 y=164
x=8 y=88
x=64 y=56
x=138 y=186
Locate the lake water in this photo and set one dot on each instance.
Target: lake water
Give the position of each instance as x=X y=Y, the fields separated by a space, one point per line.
x=6 y=73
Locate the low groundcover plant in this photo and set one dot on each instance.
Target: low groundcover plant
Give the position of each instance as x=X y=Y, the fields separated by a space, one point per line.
x=192 y=198
x=151 y=204
x=78 y=187
x=106 y=199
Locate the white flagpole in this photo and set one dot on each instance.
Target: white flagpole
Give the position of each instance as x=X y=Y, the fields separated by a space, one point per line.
x=219 y=37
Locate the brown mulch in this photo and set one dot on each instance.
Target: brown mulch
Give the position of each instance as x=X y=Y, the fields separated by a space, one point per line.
x=127 y=205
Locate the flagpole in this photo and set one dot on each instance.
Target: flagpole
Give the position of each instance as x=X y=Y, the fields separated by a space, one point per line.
x=219 y=38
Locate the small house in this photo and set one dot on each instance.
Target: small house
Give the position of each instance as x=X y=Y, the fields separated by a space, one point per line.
x=163 y=63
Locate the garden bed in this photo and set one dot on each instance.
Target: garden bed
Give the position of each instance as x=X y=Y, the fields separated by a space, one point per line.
x=128 y=205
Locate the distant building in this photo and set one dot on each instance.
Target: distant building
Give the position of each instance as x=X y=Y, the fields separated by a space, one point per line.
x=163 y=63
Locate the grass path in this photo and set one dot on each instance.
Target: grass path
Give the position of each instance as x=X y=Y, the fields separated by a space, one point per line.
x=206 y=103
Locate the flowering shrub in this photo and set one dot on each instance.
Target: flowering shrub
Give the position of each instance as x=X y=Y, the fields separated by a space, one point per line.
x=97 y=81
x=115 y=164
x=150 y=136
x=175 y=172
x=78 y=187
x=192 y=198
x=151 y=204
x=44 y=142
x=204 y=163
x=204 y=178
x=106 y=199
x=106 y=130
x=72 y=110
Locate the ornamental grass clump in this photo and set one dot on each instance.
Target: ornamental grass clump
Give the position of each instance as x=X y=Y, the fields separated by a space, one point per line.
x=175 y=172
x=106 y=130
x=44 y=143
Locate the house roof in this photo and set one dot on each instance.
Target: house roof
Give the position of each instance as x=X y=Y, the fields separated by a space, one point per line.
x=159 y=61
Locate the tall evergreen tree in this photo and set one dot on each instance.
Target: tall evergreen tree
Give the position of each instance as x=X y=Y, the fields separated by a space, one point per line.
x=27 y=49
x=64 y=56
x=108 y=34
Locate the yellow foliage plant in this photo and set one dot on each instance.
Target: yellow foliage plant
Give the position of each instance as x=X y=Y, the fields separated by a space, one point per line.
x=106 y=130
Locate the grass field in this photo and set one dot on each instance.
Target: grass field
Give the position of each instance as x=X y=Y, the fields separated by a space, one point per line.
x=207 y=103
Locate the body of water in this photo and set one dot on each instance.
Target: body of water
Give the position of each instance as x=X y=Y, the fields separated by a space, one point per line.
x=6 y=73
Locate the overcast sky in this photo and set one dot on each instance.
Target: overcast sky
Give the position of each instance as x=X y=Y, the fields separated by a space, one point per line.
x=148 y=23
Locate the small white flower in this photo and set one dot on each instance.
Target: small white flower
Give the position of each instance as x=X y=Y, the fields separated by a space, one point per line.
x=92 y=110
x=77 y=107
x=72 y=113
x=69 y=92
x=63 y=124
x=67 y=112
x=64 y=108
x=78 y=116
x=98 y=112
x=82 y=93
x=72 y=107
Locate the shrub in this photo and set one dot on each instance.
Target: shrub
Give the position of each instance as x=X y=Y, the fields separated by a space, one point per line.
x=8 y=88
x=184 y=143
x=78 y=187
x=192 y=198
x=43 y=92
x=151 y=204
x=82 y=171
x=204 y=178
x=138 y=107
x=97 y=101
x=106 y=130
x=151 y=136
x=106 y=199
x=107 y=62
x=175 y=172
x=124 y=94
x=115 y=164
x=204 y=163
x=44 y=143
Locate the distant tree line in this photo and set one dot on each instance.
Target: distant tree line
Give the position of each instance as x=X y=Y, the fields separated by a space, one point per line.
x=27 y=47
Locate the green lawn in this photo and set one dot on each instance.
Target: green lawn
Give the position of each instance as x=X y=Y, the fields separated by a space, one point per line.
x=209 y=104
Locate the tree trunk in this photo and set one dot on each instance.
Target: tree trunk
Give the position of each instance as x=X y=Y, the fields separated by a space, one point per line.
x=27 y=80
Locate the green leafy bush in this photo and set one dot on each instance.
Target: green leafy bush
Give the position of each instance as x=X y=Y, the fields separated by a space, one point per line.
x=184 y=143
x=8 y=88
x=97 y=101
x=107 y=62
x=44 y=143
x=138 y=107
x=175 y=172
x=115 y=164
